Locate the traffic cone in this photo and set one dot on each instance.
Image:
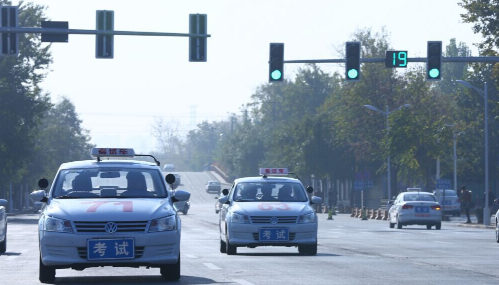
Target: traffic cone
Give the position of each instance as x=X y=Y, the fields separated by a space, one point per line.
x=330 y=215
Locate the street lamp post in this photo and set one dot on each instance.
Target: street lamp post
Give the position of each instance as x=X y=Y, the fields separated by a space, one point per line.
x=387 y=115
x=486 y=209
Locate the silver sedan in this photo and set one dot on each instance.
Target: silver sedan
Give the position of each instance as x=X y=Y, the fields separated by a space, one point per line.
x=415 y=208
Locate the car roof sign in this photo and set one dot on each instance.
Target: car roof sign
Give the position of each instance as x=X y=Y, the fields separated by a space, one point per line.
x=274 y=171
x=112 y=152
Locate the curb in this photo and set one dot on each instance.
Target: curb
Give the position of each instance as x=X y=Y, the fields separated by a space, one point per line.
x=475 y=226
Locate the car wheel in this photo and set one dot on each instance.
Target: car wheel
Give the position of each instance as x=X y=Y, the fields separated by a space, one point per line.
x=3 y=244
x=308 y=249
x=399 y=225
x=216 y=211
x=223 y=246
x=229 y=248
x=438 y=226
x=184 y=211
x=46 y=274
x=171 y=272
x=428 y=227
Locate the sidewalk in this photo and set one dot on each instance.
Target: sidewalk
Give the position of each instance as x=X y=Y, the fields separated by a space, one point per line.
x=461 y=222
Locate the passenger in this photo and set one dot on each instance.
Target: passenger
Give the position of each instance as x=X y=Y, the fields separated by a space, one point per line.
x=249 y=192
x=267 y=193
x=285 y=192
x=136 y=185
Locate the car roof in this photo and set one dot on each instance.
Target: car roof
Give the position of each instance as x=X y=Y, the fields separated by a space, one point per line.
x=108 y=163
x=421 y=192
x=267 y=179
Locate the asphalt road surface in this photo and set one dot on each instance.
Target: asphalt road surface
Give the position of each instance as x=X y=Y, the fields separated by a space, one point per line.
x=350 y=251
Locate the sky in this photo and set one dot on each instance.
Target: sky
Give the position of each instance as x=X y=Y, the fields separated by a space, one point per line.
x=120 y=99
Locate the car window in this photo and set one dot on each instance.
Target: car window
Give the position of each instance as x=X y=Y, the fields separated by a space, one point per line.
x=269 y=192
x=109 y=183
x=419 y=197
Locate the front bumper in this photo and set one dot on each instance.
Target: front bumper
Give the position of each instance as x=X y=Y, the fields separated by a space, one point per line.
x=247 y=234
x=64 y=250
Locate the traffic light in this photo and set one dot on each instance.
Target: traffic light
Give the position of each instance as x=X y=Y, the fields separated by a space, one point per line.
x=10 y=41
x=352 y=66
x=55 y=38
x=276 y=62
x=434 y=61
x=197 y=45
x=104 y=44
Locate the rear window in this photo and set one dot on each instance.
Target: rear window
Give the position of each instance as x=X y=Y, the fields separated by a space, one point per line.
x=419 y=197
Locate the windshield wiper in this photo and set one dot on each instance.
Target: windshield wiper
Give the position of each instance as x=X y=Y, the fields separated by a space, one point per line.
x=246 y=200
x=66 y=197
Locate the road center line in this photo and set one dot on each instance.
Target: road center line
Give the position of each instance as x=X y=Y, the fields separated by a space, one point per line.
x=211 y=266
x=242 y=282
x=191 y=256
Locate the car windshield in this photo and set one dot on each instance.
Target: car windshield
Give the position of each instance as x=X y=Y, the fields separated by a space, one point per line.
x=109 y=183
x=419 y=197
x=269 y=192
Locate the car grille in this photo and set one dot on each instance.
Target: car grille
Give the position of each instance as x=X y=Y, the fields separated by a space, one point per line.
x=291 y=236
x=82 y=252
x=280 y=220
x=99 y=227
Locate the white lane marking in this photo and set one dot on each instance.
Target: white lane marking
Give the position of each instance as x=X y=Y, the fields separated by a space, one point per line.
x=211 y=266
x=242 y=282
x=444 y=242
x=191 y=256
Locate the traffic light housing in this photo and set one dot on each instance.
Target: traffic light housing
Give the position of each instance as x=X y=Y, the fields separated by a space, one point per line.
x=352 y=66
x=276 y=62
x=434 y=61
x=104 y=44
x=197 y=45
x=10 y=41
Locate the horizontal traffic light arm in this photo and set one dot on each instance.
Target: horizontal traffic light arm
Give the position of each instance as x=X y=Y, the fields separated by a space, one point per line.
x=410 y=59
x=95 y=32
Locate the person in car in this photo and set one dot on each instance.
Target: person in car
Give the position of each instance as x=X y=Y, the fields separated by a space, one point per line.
x=249 y=192
x=285 y=193
x=136 y=185
x=267 y=193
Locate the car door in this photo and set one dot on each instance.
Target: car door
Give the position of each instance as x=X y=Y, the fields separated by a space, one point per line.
x=395 y=208
x=224 y=209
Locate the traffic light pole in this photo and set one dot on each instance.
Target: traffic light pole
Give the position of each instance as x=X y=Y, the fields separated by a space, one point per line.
x=410 y=59
x=21 y=30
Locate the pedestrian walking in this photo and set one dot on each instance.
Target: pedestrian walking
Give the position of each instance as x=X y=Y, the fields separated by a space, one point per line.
x=466 y=202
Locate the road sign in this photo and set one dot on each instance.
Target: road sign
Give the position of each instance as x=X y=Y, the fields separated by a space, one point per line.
x=55 y=38
x=443 y=184
x=360 y=185
x=396 y=58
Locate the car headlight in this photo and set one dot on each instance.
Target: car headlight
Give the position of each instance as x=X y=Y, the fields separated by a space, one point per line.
x=57 y=225
x=306 y=218
x=240 y=219
x=163 y=224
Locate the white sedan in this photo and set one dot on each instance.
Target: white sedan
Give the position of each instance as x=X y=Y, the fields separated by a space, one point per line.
x=415 y=208
x=3 y=226
x=268 y=211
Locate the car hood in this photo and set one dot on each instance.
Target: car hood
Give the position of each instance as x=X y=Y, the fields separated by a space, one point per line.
x=136 y=209
x=271 y=208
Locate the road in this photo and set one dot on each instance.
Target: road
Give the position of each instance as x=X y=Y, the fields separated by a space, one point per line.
x=350 y=251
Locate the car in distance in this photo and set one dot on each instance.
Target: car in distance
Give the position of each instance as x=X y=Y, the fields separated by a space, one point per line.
x=268 y=211
x=109 y=213
x=213 y=186
x=452 y=203
x=3 y=226
x=169 y=168
x=415 y=208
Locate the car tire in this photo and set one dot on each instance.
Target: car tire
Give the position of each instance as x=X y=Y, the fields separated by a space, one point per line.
x=223 y=246
x=438 y=226
x=3 y=244
x=229 y=248
x=399 y=225
x=171 y=272
x=217 y=211
x=392 y=225
x=46 y=274
x=308 y=249
x=428 y=227
x=184 y=211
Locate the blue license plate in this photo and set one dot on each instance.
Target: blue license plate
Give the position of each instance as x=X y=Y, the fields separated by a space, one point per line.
x=273 y=234
x=100 y=249
x=422 y=210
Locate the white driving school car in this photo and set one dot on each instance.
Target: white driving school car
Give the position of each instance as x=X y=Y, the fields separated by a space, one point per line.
x=109 y=213
x=415 y=208
x=268 y=211
x=3 y=226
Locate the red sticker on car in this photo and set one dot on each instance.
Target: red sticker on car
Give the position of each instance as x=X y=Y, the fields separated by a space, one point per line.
x=277 y=206
x=127 y=205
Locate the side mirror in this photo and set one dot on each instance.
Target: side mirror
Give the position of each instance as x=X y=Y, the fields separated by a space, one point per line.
x=43 y=183
x=316 y=200
x=170 y=178
x=181 y=195
x=225 y=192
x=3 y=203
x=223 y=200
x=390 y=202
x=38 y=196
x=310 y=190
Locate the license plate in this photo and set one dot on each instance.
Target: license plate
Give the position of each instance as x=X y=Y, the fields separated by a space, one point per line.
x=276 y=234
x=422 y=210
x=100 y=249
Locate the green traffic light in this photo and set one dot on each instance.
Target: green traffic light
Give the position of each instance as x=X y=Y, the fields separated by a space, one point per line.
x=434 y=73
x=353 y=73
x=276 y=75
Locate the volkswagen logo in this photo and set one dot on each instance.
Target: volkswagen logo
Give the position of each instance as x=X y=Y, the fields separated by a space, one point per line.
x=274 y=220
x=111 y=227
